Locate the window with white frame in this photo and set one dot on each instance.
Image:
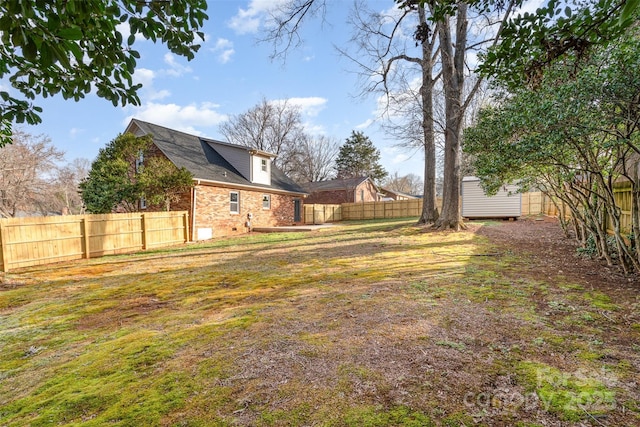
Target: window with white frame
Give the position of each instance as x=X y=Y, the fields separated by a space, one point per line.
x=234 y=202
x=263 y=162
x=143 y=203
x=266 y=201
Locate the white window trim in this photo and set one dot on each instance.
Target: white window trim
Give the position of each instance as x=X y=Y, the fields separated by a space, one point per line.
x=143 y=203
x=264 y=164
x=237 y=203
x=268 y=199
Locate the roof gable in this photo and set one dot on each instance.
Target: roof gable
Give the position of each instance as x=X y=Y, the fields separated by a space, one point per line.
x=208 y=159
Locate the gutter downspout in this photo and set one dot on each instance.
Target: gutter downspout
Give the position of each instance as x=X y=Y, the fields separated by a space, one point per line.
x=193 y=219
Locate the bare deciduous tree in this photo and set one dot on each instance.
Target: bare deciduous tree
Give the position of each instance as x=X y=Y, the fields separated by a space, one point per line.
x=66 y=197
x=27 y=168
x=455 y=42
x=286 y=20
x=397 y=60
x=314 y=159
x=408 y=184
x=271 y=126
x=383 y=53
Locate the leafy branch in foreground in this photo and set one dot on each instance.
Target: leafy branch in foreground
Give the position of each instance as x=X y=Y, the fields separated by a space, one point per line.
x=577 y=137
x=74 y=47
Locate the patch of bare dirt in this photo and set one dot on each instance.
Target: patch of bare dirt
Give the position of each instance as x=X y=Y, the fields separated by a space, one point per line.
x=549 y=250
x=121 y=314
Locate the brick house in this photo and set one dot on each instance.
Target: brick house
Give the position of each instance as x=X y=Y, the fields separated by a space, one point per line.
x=337 y=191
x=230 y=182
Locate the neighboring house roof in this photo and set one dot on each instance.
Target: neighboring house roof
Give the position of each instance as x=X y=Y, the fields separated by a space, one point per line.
x=398 y=193
x=334 y=184
x=202 y=158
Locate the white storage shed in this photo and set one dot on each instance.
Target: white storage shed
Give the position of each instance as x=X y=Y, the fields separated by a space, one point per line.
x=506 y=203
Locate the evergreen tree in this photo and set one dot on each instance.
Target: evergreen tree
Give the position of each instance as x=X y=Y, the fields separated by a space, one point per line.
x=359 y=157
x=125 y=171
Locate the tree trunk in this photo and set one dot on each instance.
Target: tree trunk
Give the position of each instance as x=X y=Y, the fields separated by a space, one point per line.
x=453 y=80
x=429 y=209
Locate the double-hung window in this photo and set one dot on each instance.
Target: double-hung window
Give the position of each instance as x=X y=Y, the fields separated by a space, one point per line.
x=234 y=202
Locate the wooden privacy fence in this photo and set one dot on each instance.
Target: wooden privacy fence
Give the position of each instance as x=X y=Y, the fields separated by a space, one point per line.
x=533 y=203
x=319 y=214
x=381 y=210
x=539 y=203
x=42 y=240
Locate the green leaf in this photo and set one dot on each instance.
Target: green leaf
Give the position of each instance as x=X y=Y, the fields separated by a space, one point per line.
x=71 y=33
x=75 y=50
x=5 y=23
x=30 y=51
x=627 y=12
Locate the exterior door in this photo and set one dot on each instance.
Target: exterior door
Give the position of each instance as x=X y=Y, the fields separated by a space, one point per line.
x=297 y=217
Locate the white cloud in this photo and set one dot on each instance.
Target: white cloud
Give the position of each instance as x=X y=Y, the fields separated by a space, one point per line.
x=144 y=76
x=391 y=15
x=184 y=118
x=365 y=124
x=309 y=106
x=224 y=49
x=225 y=56
x=244 y=22
x=249 y=20
x=176 y=69
x=222 y=44
x=149 y=92
x=124 y=29
x=400 y=158
x=73 y=132
x=314 y=129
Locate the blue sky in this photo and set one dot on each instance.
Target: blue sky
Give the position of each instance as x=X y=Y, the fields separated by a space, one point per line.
x=230 y=74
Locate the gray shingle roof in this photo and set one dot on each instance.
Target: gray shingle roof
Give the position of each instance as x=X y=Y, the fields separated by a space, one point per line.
x=334 y=184
x=199 y=156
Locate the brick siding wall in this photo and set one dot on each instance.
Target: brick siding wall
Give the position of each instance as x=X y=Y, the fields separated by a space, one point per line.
x=336 y=197
x=213 y=210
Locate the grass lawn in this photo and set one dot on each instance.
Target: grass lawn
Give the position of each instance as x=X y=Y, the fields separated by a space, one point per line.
x=363 y=324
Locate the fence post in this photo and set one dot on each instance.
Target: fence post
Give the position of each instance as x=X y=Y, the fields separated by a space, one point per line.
x=143 y=225
x=185 y=221
x=3 y=246
x=85 y=237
